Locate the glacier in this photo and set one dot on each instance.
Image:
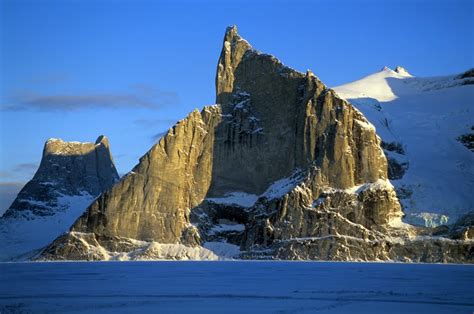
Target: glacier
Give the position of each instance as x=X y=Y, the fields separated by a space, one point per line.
x=420 y=120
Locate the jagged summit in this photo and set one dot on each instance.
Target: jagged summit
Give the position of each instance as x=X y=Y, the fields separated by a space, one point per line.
x=402 y=71
x=57 y=146
x=232 y=36
x=253 y=90
x=102 y=139
x=234 y=50
x=231 y=30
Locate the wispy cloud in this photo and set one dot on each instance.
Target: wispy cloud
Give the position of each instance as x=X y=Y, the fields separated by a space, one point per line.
x=155 y=138
x=156 y=123
x=148 y=123
x=50 y=78
x=11 y=185
x=19 y=170
x=29 y=166
x=8 y=192
x=140 y=96
x=5 y=174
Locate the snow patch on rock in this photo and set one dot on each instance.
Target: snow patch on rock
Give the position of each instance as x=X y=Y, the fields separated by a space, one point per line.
x=235 y=198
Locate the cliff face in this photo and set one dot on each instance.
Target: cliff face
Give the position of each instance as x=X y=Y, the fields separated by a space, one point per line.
x=70 y=176
x=66 y=168
x=280 y=165
x=276 y=119
x=153 y=201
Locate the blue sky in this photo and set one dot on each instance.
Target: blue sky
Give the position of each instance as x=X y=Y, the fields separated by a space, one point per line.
x=129 y=69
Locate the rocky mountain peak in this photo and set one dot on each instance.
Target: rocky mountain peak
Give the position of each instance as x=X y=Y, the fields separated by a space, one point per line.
x=102 y=139
x=399 y=70
x=233 y=50
x=271 y=111
x=230 y=32
x=66 y=168
x=402 y=71
x=307 y=166
x=70 y=176
x=57 y=146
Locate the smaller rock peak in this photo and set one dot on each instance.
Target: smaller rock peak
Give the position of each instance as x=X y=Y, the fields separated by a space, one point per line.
x=231 y=29
x=402 y=71
x=52 y=139
x=231 y=34
x=469 y=73
x=102 y=139
x=57 y=146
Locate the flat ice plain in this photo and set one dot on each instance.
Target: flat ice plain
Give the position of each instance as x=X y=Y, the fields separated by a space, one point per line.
x=235 y=287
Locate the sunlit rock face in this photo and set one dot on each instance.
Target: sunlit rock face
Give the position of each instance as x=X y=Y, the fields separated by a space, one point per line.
x=276 y=119
x=281 y=168
x=153 y=201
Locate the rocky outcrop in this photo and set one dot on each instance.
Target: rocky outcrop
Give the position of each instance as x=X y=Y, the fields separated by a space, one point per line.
x=468 y=74
x=402 y=71
x=463 y=229
x=468 y=139
x=66 y=169
x=309 y=166
x=70 y=176
x=357 y=224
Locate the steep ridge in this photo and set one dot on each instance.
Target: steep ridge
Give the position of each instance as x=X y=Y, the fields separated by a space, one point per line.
x=70 y=176
x=281 y=167
x=153 y=201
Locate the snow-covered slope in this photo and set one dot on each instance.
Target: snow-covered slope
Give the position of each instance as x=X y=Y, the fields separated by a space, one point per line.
x=376 y=86
x=151 y=250
x=22 y=236
x=420 y=121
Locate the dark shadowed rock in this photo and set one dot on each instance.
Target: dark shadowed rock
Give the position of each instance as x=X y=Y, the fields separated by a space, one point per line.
x=66 y=168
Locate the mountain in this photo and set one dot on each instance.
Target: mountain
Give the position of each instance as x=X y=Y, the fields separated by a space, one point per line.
x=426 y=124
x=281 y=167
x=70 y=176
